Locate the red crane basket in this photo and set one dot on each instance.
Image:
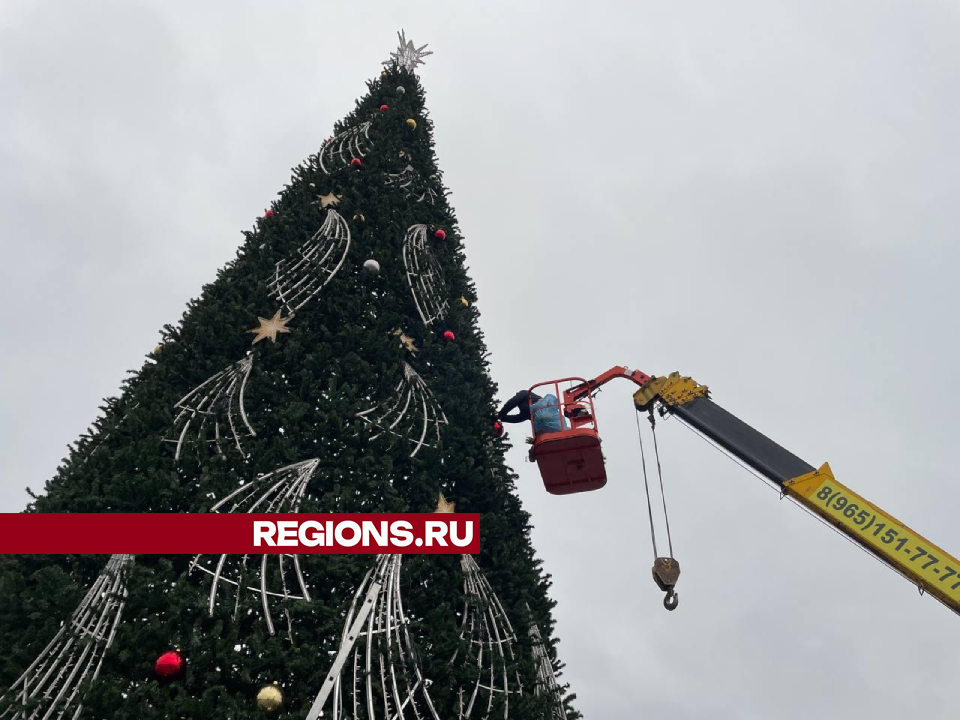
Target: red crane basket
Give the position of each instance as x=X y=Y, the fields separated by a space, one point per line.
x=570 y=460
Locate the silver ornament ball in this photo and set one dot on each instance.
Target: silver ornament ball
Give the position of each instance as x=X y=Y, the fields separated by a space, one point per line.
x=401 y=90
x=372 y=267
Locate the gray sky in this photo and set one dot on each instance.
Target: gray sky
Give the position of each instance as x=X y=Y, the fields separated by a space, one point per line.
x=763 y=195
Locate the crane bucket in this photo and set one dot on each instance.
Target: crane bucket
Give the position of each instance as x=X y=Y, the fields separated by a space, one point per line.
x=570 y=459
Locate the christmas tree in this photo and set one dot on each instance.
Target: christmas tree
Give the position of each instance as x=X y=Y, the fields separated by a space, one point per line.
x=335 y=365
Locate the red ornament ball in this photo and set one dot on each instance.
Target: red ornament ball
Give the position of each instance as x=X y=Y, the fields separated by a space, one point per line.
x=449 y=336
x=440 y=234
x=497 y=428
x=170 y=666
x=384 y=108
x=268 y=213
x=356 y=162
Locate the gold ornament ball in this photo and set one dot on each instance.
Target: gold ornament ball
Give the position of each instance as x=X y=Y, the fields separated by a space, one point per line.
x=270 y=698
x=411 y=123
x=359 y=217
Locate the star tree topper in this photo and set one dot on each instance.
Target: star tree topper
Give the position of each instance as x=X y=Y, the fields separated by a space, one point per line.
x=407 y=56
x=270 y=328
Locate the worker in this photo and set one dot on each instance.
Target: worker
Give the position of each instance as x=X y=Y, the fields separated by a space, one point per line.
x=521 y=403
x=546 y=411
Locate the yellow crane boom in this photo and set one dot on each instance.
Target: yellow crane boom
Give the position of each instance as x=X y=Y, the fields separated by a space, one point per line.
x=927 y=565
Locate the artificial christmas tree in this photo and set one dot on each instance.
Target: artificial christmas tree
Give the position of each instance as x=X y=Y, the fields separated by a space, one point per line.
x=313 y=375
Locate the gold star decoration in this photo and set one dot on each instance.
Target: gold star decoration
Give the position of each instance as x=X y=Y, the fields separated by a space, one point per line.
x=270 y=328
x=329 y=199
x=406 y=341
x=445 y=507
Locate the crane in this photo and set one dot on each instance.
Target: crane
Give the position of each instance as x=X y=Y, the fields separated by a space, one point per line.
x=570 y=461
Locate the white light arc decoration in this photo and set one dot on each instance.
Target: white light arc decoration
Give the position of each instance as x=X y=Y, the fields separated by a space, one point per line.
x=376 y=674
x=413 y=414
x=491 y=638
x=546 y=679
x=298 y=280
x=218 y=401
x=339 y=151
x=50 y=687
x=278 y=492
x=424 y=276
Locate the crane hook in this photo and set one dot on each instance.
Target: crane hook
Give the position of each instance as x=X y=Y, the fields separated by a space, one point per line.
x=671 y=600
x=666 y=572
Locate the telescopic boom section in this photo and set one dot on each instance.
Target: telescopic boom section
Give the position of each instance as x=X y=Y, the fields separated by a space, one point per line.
x=931 y=568
x=579 y=392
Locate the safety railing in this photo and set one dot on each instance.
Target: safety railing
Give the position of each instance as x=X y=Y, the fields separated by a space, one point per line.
x=579 y=414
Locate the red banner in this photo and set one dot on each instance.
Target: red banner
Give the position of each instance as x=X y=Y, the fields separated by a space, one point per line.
x=239 y=534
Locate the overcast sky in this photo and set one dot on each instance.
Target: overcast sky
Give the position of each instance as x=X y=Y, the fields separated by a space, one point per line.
x=763 y=195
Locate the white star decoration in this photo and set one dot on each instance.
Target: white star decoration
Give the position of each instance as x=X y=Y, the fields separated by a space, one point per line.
x=407 y=56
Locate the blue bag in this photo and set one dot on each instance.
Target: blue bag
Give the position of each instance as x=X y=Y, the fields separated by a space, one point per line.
x=546 y=415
